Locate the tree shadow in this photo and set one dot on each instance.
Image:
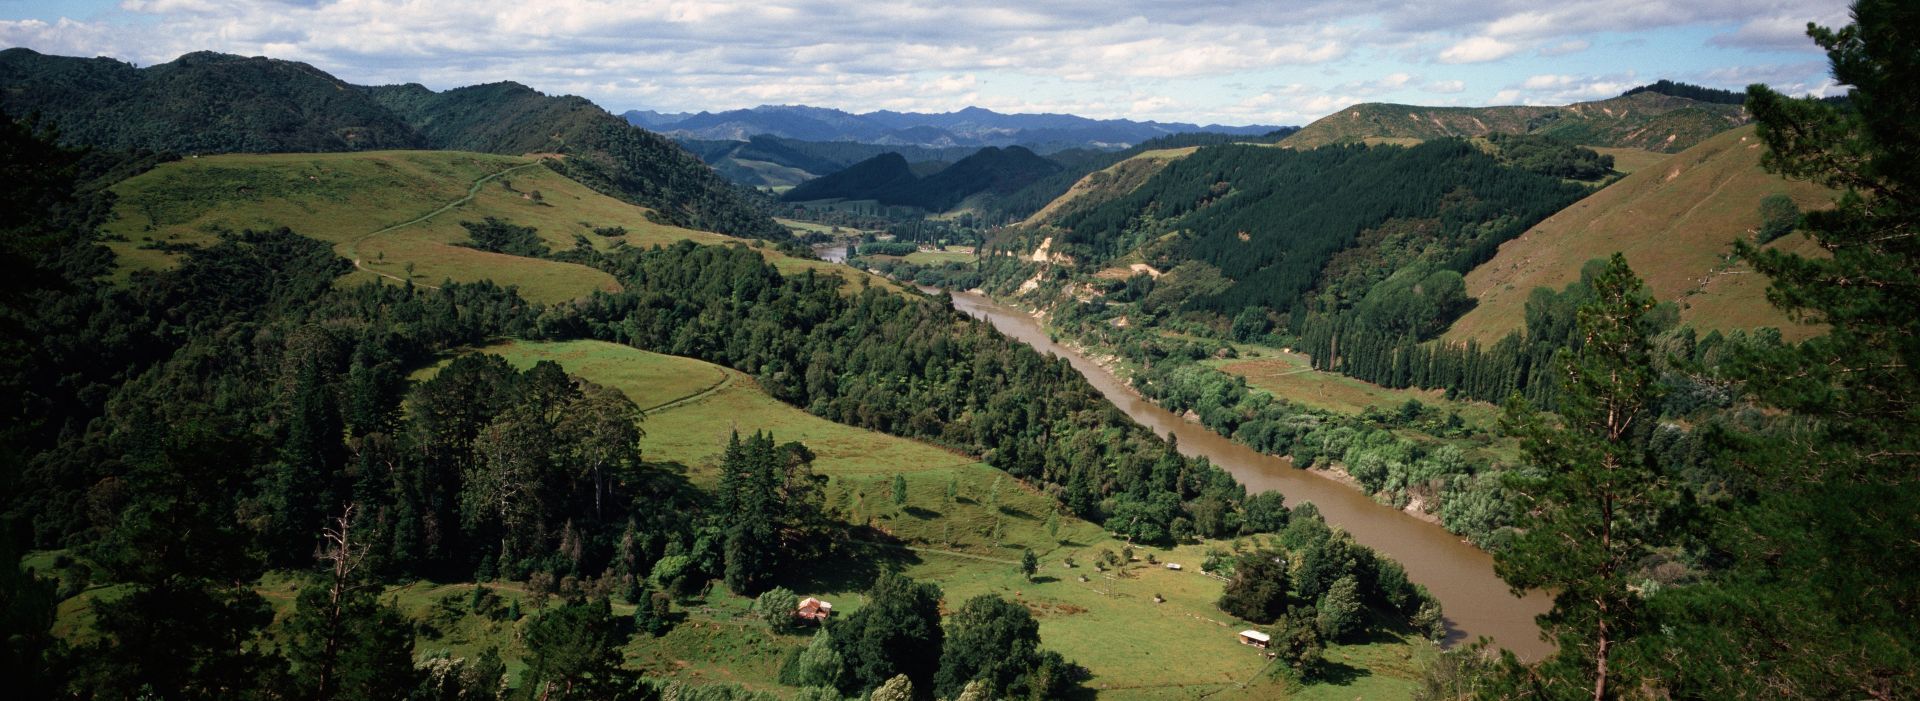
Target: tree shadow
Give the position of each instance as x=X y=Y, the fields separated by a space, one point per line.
x=860 y=554
x=921 y=513
x=1044 y=579
x=1339 y=674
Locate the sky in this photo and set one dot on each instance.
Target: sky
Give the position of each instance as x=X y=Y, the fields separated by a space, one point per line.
x=1277 y=62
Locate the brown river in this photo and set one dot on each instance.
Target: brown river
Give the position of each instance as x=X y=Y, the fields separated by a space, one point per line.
x=1476 y=601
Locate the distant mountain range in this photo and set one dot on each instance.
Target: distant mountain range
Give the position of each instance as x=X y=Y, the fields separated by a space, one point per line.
x=973 y=126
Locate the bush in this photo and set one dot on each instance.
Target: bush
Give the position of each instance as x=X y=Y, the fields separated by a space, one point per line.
x=1778 y=217
x=776 y=607
x=501 y=236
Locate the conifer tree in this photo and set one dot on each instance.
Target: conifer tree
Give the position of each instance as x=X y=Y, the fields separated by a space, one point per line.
x=1596 y=495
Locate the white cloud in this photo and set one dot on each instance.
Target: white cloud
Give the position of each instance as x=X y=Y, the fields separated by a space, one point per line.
x=1141 y=58
x=1478 y=50
x=1566 y=47
x=1776 y=33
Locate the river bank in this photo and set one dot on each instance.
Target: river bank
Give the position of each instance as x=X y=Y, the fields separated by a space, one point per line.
x=1476 y=601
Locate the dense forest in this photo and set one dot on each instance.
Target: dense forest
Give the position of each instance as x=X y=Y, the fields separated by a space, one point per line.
x=1250 y=227
x=886 y=178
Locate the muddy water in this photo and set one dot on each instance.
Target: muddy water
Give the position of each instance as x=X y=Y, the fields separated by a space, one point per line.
x=1477 y=603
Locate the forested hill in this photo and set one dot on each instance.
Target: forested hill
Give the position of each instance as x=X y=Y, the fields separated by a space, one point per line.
x=886 y=179
x=602 y=150
x=860 y=180
x=216 y=103
x=771 y=161
x=202 y=102
x=1646 y=120
x=1243 y=226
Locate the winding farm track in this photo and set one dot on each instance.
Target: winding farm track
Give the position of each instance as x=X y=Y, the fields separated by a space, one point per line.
x=353 y=247
x=726 y=380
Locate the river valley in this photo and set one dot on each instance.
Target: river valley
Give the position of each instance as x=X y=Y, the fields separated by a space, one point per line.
x=1476 y=601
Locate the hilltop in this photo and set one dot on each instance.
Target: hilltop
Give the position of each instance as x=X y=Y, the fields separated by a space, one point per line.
x=1645 y=120
x=202 y=102
x=397 y=216
x=208 y=103
x=1675 y=221
x=773 y=161
x=888 y=179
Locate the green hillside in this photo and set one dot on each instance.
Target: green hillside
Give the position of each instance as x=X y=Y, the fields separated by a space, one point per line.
x=202 y=102
x=1135 y=647
x=1107 y=184
x=1250 y=226
x=856 y=182
x=392 y=210
x=888 y=179
x=603 y=151
x=1645 y=120
x=210 y=103
x=1676 y=221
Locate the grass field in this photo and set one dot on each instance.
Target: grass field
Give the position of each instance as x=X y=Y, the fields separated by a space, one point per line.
x=1108 y=184
x=1676 y=223
x=1180 y=647
x=1629 y=160
x=389 y=209
x=970 y=545
x=1291 y=376
x=953 y=254
x=693 y=405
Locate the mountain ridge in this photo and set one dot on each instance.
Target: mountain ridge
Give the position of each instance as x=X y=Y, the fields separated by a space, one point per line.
x=1647 y=120
x=970 y=126
x=888 y=179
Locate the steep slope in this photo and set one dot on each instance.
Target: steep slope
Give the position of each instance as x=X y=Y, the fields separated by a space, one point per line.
x=772 y=161
x=216 y=103
x=396 y=215
x=889 y=179
x=602 y=150
x=994 y=171
x=1250 y=226
x=1107 y=184
x=202 y=102
x=1644 y=120
x=1674 y=221
x=858 y=181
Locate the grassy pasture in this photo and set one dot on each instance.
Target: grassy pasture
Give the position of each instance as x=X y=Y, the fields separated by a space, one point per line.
x=1675 y=221
x=1180 y=647
x=969 y=545
x=390 y=209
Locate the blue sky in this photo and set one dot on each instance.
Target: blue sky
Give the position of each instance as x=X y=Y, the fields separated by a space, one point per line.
x=1227 y=61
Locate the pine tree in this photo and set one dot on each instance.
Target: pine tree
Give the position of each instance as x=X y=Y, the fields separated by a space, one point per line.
x=573 y=652
x=1597 y=496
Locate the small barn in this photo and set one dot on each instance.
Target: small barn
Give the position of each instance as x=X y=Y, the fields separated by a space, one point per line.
x=813 y=609
x=1255 y=638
